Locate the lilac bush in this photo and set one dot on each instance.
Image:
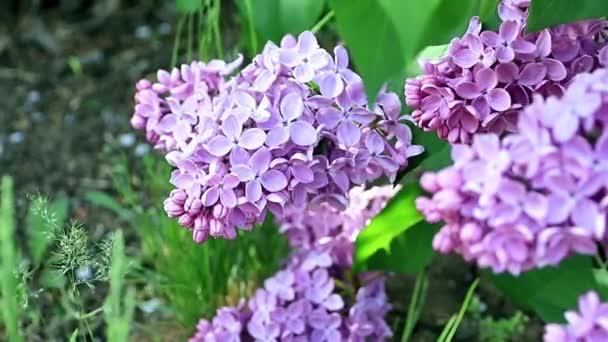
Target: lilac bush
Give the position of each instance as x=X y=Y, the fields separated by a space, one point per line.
x=531 y=198
x=303 y=302
x=291 y=128
x=589 y=323
x=487 y=78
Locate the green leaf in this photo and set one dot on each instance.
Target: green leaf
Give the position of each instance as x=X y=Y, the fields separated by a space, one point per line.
x=188 y=6
x=384 y=36
x=547 y=13
x=488 y=13
x=275 y=18
x=549 y=291
x=399 y=215
x=106 y=201
x=408 y=252
x=43 y=219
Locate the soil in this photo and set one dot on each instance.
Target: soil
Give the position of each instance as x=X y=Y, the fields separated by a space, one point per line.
x=68 y=69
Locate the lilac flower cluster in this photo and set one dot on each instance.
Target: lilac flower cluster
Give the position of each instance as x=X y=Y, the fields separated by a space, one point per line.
x=302 y=302
x=487 y=78
x=325 y=230
x=293 y=127
x=590 y=323
x=531 y=198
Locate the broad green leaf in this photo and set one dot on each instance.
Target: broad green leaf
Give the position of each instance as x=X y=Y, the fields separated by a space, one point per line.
x=188 y=6
x=275 y=18
x=106 y=201
x=547 y=13
x=408 y=252
x=384 y=36
x=399 y=215
x=43 y=219
x=488 y=13
x=549 y=291
x=449 y=19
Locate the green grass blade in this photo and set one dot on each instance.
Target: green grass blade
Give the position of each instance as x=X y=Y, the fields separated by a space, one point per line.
x=450 y=330
x=416 y=304
x=9 y=262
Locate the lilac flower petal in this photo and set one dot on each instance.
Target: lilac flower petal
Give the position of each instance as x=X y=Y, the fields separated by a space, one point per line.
x=220 y=146
x=252 y=138
x=231 y=127
x=273 y=180
x=253 y=190
x=292 y=106
x=348 y=133
x=331 y=85
x=465 y=58
x=523 y=46
x=210 y=196
x=532 y=74
x=486 y=79
x=490 y=38
x=304 y=72
x=302 y=133
x=509 y=30
x=302 y=173
x=499 y=99
x=341 y=57
x=468 y=90
x=244 y=173
x=228 y=198
x=504 y=54
x=277 y=136
x=260 y=160
x=307 y=43
x=330 y=117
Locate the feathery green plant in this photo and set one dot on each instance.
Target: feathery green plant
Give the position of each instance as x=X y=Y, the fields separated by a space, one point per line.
x=9 y=261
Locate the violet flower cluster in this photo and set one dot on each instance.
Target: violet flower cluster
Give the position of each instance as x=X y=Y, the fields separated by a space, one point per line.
x=487 y=78
x=303 y=302
x=589 y=323
x=293 y=127
x=532 y=198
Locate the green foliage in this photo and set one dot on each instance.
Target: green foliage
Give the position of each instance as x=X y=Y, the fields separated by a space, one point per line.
x=549 y=291
x=547 y=13
x=9 y=261
x=502 y=329
x=44 y=219
x=399 y=239
x=103 y=200
x=188 y=6
x=416 y=303
x=450 y=329
x=120 y=305
x=273 y=19
x=195 y=279
x=384 y=36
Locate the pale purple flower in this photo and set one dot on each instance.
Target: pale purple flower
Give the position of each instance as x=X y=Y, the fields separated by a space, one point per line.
x=306 y=57
x=532 y=198
x=300 y=132
x=506 y=41
x=333 y=81
x=453 y=99
x=234 y=135
x=257 y=175
x=589 y=323
x=222 y=188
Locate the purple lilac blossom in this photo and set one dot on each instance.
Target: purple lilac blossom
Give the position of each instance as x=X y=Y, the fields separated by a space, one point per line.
x=292 y=127
x=589 y=323
x=487 y=78
x=302 y=302
x=532 y=198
